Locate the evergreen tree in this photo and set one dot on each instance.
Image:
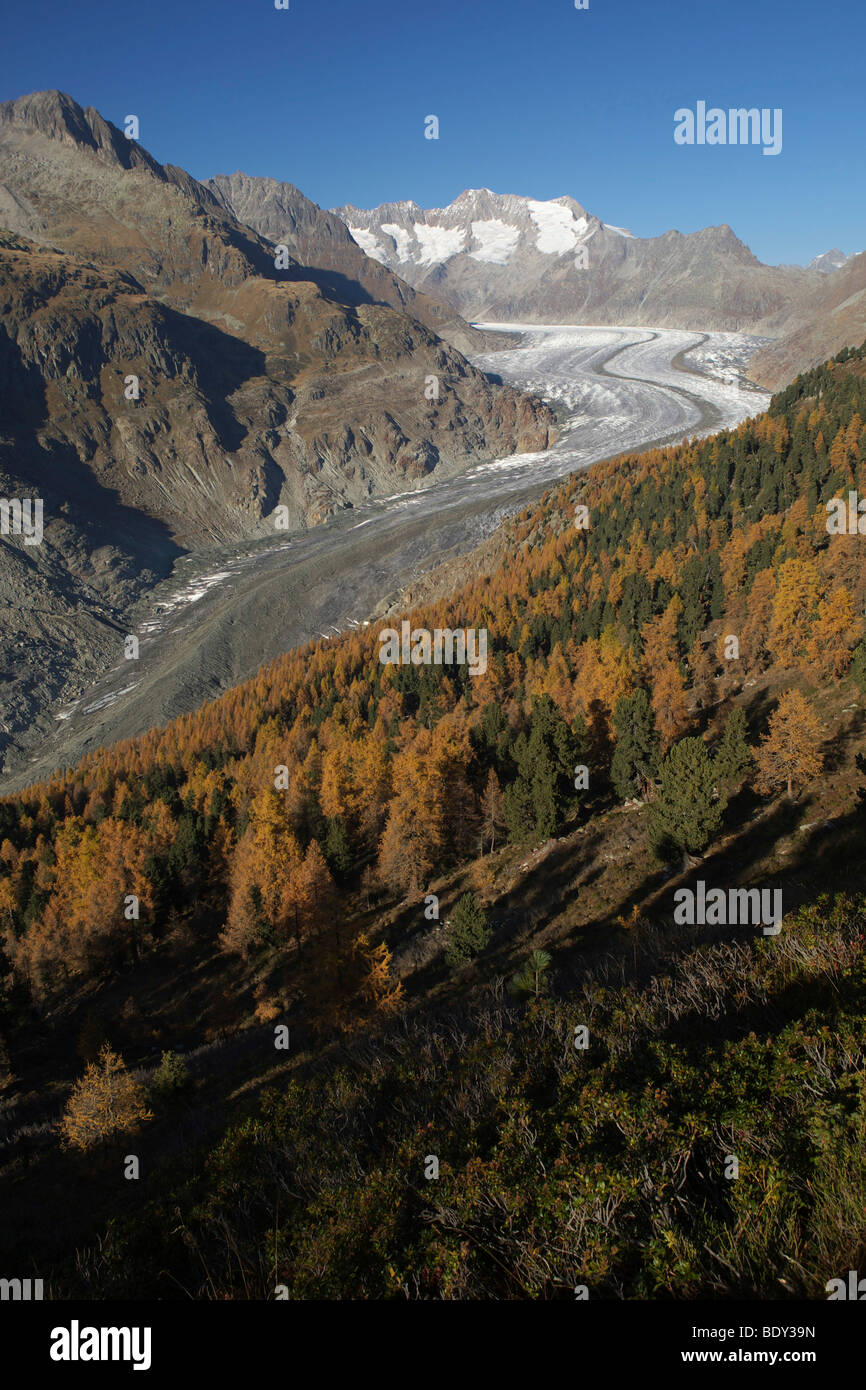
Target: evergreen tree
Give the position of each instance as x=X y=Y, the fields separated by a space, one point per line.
x=636 y=755
x=734 y=756
x=858 y=665
x=337 y=851
x=468 y=931
x=542 y=795
x=531 y=977
x=687 y=813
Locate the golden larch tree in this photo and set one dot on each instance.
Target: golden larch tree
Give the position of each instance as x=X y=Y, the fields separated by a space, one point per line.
x=789 y=754
x=105 y=1102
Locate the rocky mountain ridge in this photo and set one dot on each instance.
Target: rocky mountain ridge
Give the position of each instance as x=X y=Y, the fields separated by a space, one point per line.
x=513 y=258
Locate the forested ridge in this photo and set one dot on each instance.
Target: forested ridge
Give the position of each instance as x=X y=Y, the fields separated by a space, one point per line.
x=676 y=665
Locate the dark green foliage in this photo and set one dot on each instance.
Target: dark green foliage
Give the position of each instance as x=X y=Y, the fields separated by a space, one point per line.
x=734 y=756
x=687 y=814
x=468 y=931
x=858 y=665
x=542 y=796
x=530 y=979
x=170 y=1077
x=336 y=848
x=636 y=753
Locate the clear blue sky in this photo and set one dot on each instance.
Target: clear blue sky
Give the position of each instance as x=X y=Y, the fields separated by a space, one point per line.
x=533 y=97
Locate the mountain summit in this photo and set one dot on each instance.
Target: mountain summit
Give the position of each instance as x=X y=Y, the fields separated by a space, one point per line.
x=514 y=258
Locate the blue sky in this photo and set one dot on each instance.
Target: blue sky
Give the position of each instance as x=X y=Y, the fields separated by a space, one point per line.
x=533 y=97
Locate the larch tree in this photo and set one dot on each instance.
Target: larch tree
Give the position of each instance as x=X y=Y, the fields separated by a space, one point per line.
x=106 y=1102
x=492 y=811
x=789 y=754
x=669 y=704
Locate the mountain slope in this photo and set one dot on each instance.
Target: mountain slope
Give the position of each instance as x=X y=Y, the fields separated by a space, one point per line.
x=583 y=1119
x=320 y=241
x=510 y=258
x=831 y=317
x=83 y=188
x=165 y=387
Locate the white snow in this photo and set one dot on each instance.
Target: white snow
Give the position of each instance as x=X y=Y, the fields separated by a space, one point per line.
x=402 y=238
x=369 y=243
x=620 y=388
x=496 y=241
x=438 y=243
x=558 y=229
x=620 y=231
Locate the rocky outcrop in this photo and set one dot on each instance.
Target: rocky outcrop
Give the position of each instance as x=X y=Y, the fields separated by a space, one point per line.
x=325 y=251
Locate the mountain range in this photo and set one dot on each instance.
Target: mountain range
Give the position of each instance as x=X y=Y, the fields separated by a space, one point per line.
x=169 y=378
x=519 y=259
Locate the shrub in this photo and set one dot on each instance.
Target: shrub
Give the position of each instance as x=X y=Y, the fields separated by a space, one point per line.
x=171 y=1076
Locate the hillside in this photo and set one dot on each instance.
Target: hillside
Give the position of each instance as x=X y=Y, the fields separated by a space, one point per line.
x=281 y=847
x=315 y=238
x=830 y=318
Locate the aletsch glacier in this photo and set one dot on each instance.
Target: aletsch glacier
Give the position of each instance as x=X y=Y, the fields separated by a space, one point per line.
x=617 y=389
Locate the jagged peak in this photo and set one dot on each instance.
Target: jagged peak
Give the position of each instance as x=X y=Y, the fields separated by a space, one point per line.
x=60 y=117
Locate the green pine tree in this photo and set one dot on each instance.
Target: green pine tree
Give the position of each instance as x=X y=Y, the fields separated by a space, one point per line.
x=337 y=851
x=468 y=931
x=858 y=665
x=542 y=795
x=734 y=756
x=636 y=753
x=530 y=978
x=687 y=814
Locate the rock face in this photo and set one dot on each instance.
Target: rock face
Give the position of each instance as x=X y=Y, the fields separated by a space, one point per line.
x=832 y=317
x=829 y=261
x=511 y=259
x=166 y=387
x=320 y=242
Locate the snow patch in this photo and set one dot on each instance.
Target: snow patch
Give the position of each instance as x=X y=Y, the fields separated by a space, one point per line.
x=401 y=237
x=438 y=243
x=558 y=229
x=496 y=241
x=369 y=243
